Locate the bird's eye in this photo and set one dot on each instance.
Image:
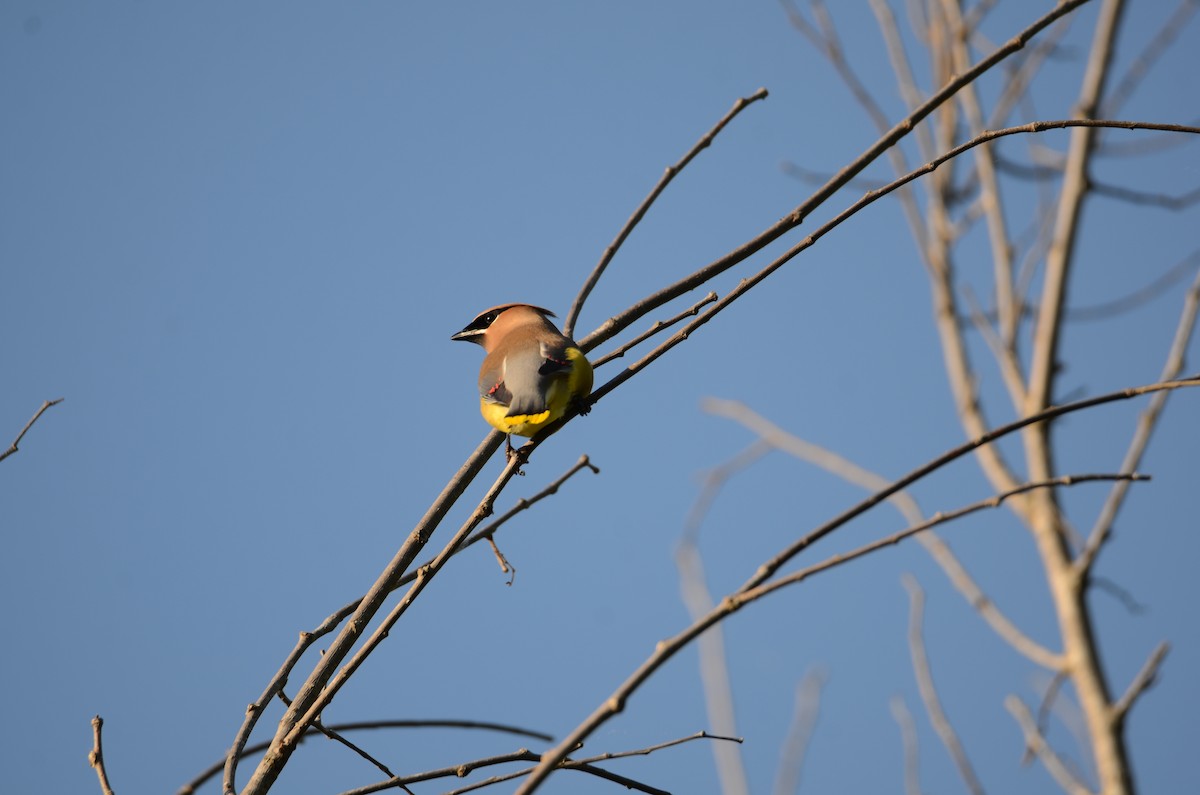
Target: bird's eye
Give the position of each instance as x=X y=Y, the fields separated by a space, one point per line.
x=489 y=318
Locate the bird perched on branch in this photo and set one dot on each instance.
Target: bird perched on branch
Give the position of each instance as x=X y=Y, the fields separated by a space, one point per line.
x=531 y=374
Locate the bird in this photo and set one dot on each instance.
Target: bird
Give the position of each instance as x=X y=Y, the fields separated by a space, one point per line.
x=531 y=374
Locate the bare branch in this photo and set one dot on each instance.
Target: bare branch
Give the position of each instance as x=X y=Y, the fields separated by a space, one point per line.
x=658 y=326
x=908 y=738
x=640 y=212
x=1154 y=49
x=752 y=281
x=12 y=448
x=1044 y=708
x=906 y=505
x=795 y=745
x=343 y=728
x=1140 y=296
x=929 y=694
x=714 y=670
x=793 y=219
x=96 y=757
x=1147 y=421
x=1131 y=196
x=1141 y=683
x=1038 y=745
x=755 y=589
x=587 y=765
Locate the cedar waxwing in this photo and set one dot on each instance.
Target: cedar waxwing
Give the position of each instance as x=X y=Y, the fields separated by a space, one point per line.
x=531 y=373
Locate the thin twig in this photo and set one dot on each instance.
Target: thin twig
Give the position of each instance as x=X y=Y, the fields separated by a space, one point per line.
x=1150 y=54
x=320 y=700
x=313 y=689
x=12 y=448
x=805 y=712
x=191 y=787
x=333 y=734
x=658 y=326
x=668 y=175
x=929 y=694
x=867 y=199
x=908 y=740
x=1147 y=421
x=1141 y=683
x=1037 y=744
x=587 y=765
x=904 y=503
x=96 y=757
x=754 y=590
x=254 y=711
x=697 y=598
x=1139 y=297
x=1044 y=708
x=1139 y=197
x=791 y=220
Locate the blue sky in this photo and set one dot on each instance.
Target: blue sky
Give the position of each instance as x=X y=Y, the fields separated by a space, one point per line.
x=236 y=238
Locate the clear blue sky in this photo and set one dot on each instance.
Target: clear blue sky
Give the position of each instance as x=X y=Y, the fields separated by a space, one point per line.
x=236 y=238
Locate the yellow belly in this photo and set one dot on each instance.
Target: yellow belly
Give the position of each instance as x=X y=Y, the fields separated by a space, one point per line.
x=577 y=383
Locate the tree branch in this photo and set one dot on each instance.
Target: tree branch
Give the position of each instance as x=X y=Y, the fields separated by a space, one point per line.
x=12 y=448
x=704 y=142
x=96 y=757
x=929 y=694
x=1038 y=745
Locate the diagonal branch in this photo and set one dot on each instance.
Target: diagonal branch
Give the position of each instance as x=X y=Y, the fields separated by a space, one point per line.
x=704 y=142
x=12 y=448
x=757 y=588
x=791 y=220
x=1038 y=745
x=907 y=506
x=1147 y=422
x=1143 y=681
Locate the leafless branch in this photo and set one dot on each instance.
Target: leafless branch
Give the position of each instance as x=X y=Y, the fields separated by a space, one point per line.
x=587 y=765
x=1038 y=745
x=333 y=734
x=929 y=694
x=1147 y=421
x=748 y=283
x=344 y=728
x=1139 y=297
x=1131 y=196
x=12 y=448
x=96 y=757
x=906 y=505
x=795 y=746
x=659 y=325
x=640 y=212
x=757 y=587
x=1044 y=708
x=1143 y=681
x=908 y=738
x=1149 y=55
x=793 y=219
x=714 y=670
